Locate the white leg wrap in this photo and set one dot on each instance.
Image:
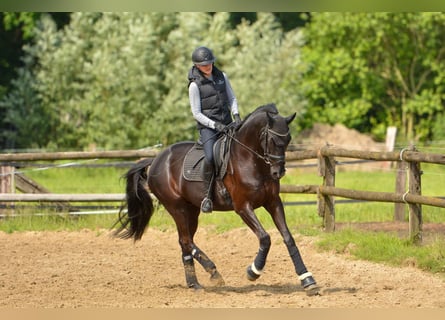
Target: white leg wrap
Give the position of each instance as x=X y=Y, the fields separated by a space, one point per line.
x=255 y=270
x=304 y=276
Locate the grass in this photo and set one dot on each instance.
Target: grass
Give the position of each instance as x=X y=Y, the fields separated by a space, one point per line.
x=386 y=248
x=81 y=179
x=303 y=219
x=56 y=222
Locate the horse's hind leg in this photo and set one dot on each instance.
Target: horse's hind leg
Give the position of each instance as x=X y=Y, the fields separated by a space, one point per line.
x=208 y=266
x=182 y=213
x=200 y=256
x=186 y=220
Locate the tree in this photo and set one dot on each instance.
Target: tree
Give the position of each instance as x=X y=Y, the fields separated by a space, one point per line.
x=101 y=76
x=25 y=122
x=119 y=80
x=261 y=63
x=371 y=70
x=18 y=123
x=15 y=28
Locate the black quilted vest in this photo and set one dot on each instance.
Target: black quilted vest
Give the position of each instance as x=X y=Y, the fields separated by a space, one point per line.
x=214 y=100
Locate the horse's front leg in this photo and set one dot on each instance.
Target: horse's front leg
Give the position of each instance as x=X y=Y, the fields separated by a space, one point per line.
x=307 y=280
x=256 y=268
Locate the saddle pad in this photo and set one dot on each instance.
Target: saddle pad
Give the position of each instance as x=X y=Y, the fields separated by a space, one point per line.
x=193 y=161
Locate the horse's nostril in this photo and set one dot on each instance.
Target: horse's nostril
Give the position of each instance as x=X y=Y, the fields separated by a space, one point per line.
x=276 y=174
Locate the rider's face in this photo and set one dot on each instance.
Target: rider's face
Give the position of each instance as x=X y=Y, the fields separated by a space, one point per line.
x=206 y=69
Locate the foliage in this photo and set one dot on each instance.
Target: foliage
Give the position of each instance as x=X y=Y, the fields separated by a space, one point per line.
x=28 y=123
x=102 y=81
x=119 y=80
x=23 y=20
x=371 y=70
x=17 y=29
x=261 y=63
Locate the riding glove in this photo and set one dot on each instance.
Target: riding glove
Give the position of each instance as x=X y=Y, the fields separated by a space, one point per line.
x=220 y=127
x=238 y=121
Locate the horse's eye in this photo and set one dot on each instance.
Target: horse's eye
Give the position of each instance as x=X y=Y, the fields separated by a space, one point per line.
x=279 y=141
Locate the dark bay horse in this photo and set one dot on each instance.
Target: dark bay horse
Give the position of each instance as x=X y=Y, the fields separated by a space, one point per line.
x=255 y=165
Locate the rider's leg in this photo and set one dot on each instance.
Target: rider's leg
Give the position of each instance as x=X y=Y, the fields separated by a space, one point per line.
x=208 y=138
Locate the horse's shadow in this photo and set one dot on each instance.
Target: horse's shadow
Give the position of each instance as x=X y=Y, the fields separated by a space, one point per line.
x=270 y=289
x=287 y=288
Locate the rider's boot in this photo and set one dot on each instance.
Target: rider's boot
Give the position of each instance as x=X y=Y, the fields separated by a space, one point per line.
x=208 y=175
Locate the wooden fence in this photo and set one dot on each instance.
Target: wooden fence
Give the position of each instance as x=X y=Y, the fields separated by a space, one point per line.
x=325 y=192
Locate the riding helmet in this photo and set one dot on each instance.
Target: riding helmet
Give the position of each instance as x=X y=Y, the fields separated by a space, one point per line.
x=203 y=56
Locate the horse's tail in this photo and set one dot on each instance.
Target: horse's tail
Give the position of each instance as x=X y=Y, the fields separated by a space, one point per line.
x=133 y=221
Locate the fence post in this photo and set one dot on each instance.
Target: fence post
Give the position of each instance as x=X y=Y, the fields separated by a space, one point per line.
x=399 y=208
x=6 y=180
x=415 y=209
x=326 y=205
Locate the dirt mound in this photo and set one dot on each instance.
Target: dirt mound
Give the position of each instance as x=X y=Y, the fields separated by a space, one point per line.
x=338 y=135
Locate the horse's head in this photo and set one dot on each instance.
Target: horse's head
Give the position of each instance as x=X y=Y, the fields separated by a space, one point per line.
x=265 y=134
x=274 y=139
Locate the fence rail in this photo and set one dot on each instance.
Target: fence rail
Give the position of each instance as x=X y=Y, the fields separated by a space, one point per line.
x=326 y=191
x=61 y=197
x=365 y=195
x=122 y=154
x=404 y=155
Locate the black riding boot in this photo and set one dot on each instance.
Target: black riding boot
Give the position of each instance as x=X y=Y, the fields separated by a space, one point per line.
x=208 y=175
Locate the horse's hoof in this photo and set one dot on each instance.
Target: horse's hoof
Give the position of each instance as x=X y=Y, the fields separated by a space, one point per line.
x=196 y=287
x=217 y=279
x=312 y=290
x=252 y=276
x=307 y=281
x=310 y=286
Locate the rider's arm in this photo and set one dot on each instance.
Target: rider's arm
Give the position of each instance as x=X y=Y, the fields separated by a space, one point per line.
x=231 y=95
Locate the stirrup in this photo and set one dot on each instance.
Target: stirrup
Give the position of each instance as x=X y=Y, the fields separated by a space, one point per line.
x=206 y=205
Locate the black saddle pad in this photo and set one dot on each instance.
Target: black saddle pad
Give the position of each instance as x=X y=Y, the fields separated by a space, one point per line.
x=194 y=160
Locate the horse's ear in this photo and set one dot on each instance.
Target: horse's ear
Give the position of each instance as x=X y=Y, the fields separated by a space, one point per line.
x=291 y=118
x=270 y=119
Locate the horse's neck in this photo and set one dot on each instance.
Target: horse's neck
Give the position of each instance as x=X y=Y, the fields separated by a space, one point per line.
x=246 y=148
x=249 y=139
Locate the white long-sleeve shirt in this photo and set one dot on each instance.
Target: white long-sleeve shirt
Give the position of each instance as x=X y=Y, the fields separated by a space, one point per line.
x=195 y=103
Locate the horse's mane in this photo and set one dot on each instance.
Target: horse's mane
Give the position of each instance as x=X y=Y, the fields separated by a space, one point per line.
x=270 y=107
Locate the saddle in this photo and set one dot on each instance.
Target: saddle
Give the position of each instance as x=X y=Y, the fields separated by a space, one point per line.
x=194 y=160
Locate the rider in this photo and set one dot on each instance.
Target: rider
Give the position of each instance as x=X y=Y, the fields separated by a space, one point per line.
x=212 y=102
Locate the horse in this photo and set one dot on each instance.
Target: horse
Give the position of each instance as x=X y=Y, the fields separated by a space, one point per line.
x=255 y=165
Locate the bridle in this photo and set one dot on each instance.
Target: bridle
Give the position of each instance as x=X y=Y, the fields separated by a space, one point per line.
x=267 y=157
